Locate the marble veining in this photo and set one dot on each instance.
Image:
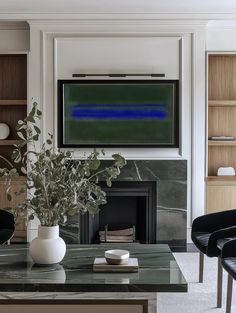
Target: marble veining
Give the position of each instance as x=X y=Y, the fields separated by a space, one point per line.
x=158 y=271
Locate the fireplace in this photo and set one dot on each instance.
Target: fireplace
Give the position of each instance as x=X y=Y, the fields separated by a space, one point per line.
x=167 y=181
x=129 y=204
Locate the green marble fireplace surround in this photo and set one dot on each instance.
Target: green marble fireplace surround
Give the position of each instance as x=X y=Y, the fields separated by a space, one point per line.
x=170 y=177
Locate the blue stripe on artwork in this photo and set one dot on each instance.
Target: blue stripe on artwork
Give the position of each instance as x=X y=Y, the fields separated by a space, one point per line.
x=149 y=111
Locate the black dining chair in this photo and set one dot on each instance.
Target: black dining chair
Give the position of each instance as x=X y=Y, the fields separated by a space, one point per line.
x=7 y=226
x=209 y=233
x=228 y=257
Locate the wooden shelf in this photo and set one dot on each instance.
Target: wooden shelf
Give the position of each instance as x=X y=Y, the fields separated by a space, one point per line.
x=221 y=103
x=9 y=142
x=13 y=102
x=220 y=182
x=221 y=143
x=220 y=178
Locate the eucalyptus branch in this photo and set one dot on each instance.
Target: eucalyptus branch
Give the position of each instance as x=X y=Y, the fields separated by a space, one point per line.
x=7 y=161
x=46 y=194
x=58 y=186
x=103 y=171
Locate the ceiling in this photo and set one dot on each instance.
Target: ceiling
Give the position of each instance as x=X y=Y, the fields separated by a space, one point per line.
x=118 y=6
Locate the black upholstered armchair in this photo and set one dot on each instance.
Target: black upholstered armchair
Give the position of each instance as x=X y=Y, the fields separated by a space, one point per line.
x=7 y=226
x=228 y=256
x=209 y=233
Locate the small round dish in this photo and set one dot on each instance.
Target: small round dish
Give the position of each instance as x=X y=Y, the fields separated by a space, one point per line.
x=117 y=257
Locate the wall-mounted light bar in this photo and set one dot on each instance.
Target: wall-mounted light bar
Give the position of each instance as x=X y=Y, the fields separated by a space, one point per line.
x=119 y=75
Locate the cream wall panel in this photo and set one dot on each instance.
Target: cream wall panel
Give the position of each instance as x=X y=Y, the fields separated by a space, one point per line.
x=191 y=40
x=118 y=55
x=220 y=36
x=14 y=40
x=221 y=40
x=167 y=8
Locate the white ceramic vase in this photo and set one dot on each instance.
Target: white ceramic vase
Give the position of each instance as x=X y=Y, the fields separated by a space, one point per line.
x=48 y=248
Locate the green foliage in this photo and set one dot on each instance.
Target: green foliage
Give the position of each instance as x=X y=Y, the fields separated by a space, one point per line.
x=57 y=185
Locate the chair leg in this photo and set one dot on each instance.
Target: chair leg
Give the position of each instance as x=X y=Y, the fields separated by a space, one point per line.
x=201 y=266
x=219 y=284
x=229 y=293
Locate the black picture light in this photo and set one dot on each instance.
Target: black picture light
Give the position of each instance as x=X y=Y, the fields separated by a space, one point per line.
x=118 y=75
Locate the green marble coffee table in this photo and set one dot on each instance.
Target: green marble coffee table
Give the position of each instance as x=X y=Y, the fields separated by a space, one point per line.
x=74 y=278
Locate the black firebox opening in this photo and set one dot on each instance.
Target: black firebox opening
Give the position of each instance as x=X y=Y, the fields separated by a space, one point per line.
x=128 y=204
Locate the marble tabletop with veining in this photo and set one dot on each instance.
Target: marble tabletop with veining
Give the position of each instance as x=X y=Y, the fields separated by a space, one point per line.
x=158 y=271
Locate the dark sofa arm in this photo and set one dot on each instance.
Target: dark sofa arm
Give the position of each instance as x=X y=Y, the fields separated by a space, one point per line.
x=229 y=249
x=212 y=249
x=214 y=221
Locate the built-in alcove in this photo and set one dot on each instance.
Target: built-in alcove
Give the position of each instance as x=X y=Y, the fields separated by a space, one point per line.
x=128 y=204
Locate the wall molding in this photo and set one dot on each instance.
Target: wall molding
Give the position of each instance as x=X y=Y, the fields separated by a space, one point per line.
x=221 y=25
x=198 y=16
x=118 y=21
x=42 y=38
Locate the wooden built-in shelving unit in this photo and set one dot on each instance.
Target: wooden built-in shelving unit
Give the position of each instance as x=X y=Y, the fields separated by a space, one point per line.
x=221 y=190
x=13 y=106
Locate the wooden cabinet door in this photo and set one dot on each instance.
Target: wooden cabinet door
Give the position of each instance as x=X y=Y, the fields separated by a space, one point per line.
x=220 y=197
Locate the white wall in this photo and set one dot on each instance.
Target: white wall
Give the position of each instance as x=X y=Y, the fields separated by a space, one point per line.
x=126 y=53
x=14 y=37
x=194 y=23
x=195 y=39
x=45 y=69
x=221 y=36
x=165 y=8
x=199 y=27
x=188 y=66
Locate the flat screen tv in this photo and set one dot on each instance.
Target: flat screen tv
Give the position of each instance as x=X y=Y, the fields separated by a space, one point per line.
x=118 y=113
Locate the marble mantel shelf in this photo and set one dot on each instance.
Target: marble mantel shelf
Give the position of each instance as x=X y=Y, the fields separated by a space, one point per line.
x=158 y=271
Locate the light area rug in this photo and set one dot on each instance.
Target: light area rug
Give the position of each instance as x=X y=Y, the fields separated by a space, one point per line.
x=201 y=297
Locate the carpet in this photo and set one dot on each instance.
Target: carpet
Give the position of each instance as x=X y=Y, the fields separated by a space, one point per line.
x=201 y=297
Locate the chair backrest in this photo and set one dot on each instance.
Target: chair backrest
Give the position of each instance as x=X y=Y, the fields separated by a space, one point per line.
x=7 y=220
